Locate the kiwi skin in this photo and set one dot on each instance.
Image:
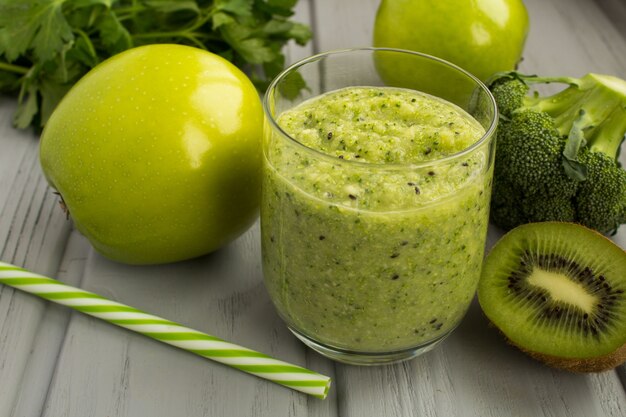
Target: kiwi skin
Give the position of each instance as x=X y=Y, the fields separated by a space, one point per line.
x=595 y=364
x=579 y=365
x=598 y=363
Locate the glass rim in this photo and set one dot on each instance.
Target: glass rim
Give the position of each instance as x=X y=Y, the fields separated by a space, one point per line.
x=489 y=132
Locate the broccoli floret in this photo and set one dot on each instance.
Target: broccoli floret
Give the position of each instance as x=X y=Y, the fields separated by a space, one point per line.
x=545 y=208
x=509 y=94
x=556 y=156
x=506 y=205
x=603 y=208
x=532 y=165
x=510 y=207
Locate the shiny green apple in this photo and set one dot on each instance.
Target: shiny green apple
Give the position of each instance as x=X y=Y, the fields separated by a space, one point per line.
x=481 y=36
x=156 y=154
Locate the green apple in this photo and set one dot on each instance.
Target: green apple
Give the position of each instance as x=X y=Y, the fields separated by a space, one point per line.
x=481 y=36
x=156 y=154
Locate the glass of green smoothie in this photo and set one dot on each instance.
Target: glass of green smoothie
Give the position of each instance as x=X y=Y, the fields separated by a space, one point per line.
x=376 y=185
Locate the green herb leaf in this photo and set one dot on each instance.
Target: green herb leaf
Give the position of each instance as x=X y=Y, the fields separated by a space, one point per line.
x=84 y=52
x=86 y=3
x=236 y=7
x=284 y=4
x=220 y=19
x=51 y=94
x=39 y=25
x=53 y=33
x=16 y=31
x=301 y=33
x=47 y=45
x=27 y=108
x=280 y=7
x=292 y=85
x=114 y=36
x=171 y=6
x=253 y=49
x=9 y=82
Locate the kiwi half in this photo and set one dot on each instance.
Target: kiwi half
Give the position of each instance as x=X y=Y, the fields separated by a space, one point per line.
x=558 y=292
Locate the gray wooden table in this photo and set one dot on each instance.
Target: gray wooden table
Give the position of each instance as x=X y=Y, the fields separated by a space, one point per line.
x=57 y=363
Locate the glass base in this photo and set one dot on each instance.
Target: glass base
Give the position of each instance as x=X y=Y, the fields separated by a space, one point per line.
x=366 y=358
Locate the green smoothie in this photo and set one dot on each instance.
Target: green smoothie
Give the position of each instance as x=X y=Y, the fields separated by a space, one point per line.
x=373 y=220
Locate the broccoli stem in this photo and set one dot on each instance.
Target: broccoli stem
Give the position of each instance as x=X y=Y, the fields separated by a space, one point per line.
x=594 y=105
x=608 y=136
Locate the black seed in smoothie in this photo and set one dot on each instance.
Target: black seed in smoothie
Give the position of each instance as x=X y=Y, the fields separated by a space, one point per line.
x=394 y=255
x=431 y=173
x=352 y=196
x=465 y=164
x=427 y=150
x=395 y=277
x=330 y=135
x=417 y=190
x=404 y=243
x=322 y=237
x=433 y=321
x=340 y=156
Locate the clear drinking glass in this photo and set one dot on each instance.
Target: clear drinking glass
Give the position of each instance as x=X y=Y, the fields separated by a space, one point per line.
x=372 y=263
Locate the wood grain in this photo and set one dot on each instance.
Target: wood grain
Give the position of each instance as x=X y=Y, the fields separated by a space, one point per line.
x=104 y=371
x=51 y=332
x=475 y=373
x=56 y=363
x=33 y=233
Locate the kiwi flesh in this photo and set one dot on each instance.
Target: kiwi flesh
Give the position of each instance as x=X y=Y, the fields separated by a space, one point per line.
x=558 y=292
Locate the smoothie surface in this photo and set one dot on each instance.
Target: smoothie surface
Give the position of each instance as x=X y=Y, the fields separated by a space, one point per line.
x=381 y=125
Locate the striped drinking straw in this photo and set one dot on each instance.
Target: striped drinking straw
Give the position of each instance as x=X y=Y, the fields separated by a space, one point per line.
x=205 y=345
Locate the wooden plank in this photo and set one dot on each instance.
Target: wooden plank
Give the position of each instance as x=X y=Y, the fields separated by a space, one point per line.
x=475 y=373
x=106 y=371
x=315 y=407
x=103 y=370
x=615 y=11
x=573 y=37
x=51 y=331
x=576 y=37
x=33 y=232
x=294 y=52
x=343 y=24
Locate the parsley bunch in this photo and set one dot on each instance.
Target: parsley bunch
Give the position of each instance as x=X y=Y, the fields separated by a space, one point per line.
x=47 y=45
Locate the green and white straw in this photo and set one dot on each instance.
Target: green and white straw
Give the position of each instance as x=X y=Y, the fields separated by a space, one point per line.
x=210 y=347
